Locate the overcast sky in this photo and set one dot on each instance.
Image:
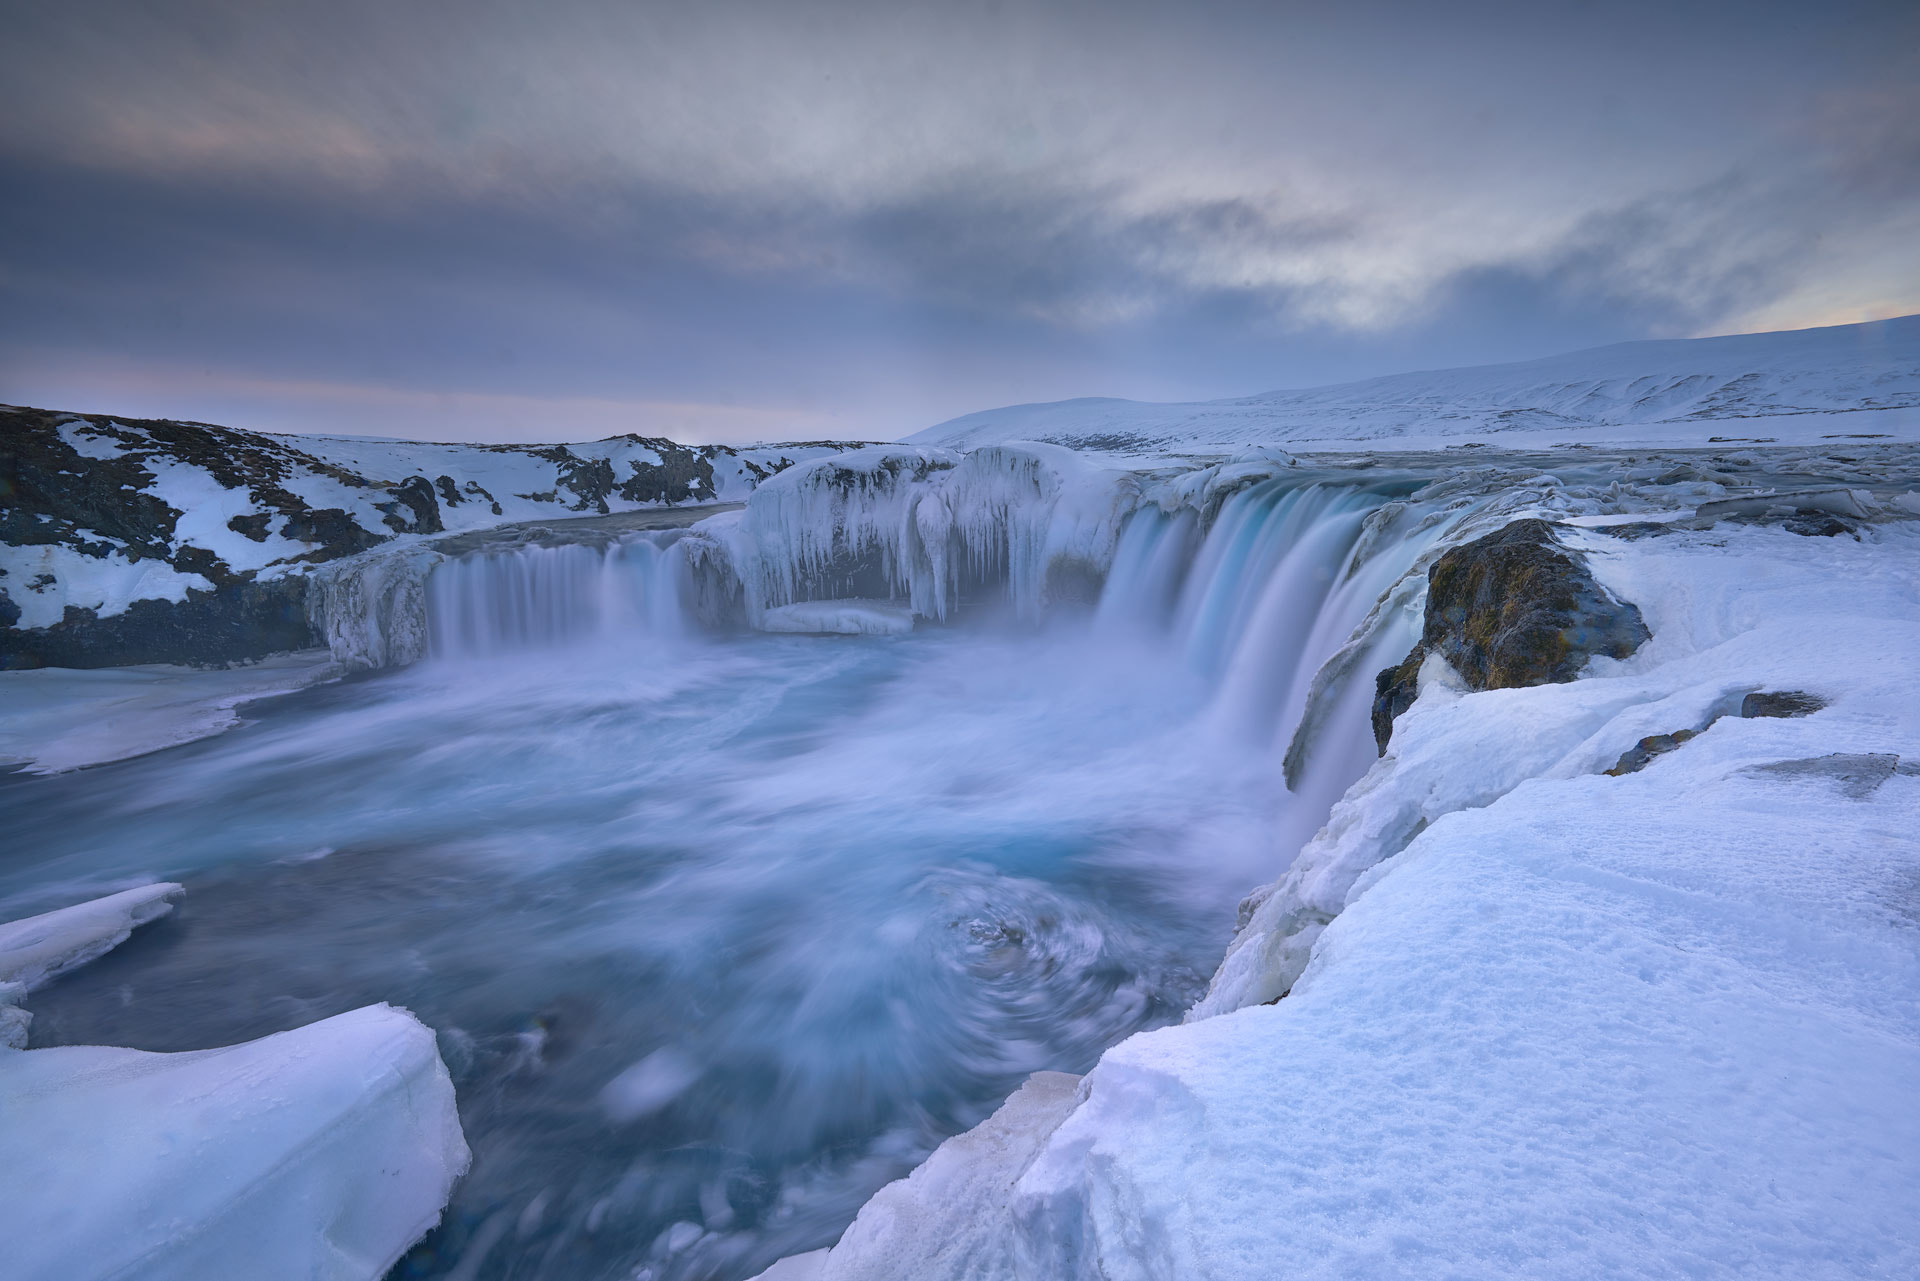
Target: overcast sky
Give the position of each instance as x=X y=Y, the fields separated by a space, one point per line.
x=741 y=221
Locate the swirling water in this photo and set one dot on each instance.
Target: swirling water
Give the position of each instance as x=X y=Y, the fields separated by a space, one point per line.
x=718 y=934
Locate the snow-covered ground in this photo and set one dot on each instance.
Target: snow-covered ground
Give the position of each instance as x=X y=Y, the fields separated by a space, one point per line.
x=1846 y=382
x=1563 y=1023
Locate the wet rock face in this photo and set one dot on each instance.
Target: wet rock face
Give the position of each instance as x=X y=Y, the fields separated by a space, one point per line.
x=1509 y=610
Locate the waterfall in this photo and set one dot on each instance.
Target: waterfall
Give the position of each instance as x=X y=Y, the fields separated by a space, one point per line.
x=535 y=597
x=1299 y=591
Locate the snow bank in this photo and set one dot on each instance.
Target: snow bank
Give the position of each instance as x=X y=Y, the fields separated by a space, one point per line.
x=1799 y=386
x=58 y=718
x=323 y=1152
x=1540 y=1021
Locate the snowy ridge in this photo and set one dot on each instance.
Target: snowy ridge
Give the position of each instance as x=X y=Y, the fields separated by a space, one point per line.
x=1845 y=380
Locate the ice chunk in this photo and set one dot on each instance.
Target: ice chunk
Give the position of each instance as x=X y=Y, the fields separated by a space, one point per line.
x=40 y=948
x=319 y=1153
x=840 y=617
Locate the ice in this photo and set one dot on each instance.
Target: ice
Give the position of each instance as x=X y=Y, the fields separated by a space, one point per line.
x=1540 y=1022
x=37 y=950
x=908 y=1228
x=921 y=524
x=321 y=1153
x=54 y=719
x=840 y=617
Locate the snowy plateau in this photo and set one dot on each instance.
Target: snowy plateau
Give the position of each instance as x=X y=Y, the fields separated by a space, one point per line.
x=1460 y=824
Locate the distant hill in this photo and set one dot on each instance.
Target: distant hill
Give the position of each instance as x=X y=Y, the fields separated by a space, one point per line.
x=1792 y=386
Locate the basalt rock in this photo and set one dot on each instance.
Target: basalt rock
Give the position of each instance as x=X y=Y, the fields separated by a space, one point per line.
x=1509 y=610
x=235 y=622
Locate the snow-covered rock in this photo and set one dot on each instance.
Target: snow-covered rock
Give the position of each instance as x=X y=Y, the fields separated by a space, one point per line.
x=142 y=541
x=322 y=1153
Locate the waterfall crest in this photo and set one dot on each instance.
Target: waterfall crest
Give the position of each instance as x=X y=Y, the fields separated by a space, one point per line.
x=1282 y=587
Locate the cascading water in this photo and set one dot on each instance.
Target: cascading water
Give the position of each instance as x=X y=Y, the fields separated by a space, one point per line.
x=495 y=602
x=715 y=946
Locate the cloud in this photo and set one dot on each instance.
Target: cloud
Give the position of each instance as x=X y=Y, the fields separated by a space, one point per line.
x=882 y=214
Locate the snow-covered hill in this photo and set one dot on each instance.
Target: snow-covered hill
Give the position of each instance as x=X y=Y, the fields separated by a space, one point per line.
x=134 y=540
x=1797 y=386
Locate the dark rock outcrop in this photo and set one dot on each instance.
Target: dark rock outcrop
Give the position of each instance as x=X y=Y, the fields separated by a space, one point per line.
x=236 y=622
x=1509 y=610
x=414 y=510
x=1781 y=703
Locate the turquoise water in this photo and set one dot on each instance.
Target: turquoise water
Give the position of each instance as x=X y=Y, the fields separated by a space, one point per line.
x=717 y=935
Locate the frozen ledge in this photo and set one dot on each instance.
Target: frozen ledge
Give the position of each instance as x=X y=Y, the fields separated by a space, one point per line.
x=839 y=618
x=323 y=1152
x=38 y=949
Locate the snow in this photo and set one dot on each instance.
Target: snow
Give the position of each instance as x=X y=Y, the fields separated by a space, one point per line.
x=1538 y=1021
x=105 y=584
x=54 y=719
x=1800 y=386
x=840 y=617
x=323 y=1152
x=352 y=475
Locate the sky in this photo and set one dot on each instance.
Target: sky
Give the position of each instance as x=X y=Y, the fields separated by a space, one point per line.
x=728 y=222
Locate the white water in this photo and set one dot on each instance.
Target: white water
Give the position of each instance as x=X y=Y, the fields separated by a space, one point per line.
x=720 y=930
x=630 y=592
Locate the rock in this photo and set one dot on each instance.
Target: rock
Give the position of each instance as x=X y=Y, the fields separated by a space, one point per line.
x=1784 y=703
x=414 y=509
x=1637 y=757
x=1857 y=774
x=1506 y=611
x=237 y=622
